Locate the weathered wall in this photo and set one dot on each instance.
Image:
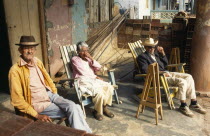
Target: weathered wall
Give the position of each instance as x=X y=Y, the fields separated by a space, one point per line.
x=144 y=8
x=59 y=28
x=140 y=7
x=68 y=25
x=79 y=21
x=134 y=4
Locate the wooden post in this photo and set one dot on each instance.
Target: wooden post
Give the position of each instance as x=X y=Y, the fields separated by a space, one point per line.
x=43 y=33
x=200 y=66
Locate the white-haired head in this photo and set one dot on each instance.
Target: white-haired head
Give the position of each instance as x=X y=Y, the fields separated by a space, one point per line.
x=80 y=45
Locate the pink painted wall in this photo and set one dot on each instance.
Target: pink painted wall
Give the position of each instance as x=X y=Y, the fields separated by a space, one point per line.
x=59 y=29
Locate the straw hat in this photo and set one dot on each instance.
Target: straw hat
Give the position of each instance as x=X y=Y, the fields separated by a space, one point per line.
x=150 y=42
x=27 y=41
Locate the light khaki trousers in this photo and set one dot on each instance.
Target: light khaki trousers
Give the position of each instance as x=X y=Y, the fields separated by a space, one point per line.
x=185 y=83
x=103 y=98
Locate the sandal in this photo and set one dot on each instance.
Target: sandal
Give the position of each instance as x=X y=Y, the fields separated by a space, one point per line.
x=97 y=115
x=108 y=113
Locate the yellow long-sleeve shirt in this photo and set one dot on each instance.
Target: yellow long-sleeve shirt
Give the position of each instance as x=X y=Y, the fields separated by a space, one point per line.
x=19 y=82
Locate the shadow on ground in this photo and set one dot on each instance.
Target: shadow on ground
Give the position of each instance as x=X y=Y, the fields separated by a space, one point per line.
x=126 y=124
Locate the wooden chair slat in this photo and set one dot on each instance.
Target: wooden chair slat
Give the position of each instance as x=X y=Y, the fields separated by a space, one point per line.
x=65 y=61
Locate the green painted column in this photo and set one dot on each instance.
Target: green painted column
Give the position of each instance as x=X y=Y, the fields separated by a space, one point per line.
x=79 y=21
x=200 y=55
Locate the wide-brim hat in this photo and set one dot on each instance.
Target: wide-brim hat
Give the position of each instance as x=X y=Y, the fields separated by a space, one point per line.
x=27 y=41
x=150 y=42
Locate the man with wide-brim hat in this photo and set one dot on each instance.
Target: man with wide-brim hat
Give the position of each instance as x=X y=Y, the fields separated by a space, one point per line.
x=184 y=81
x=27 y=48
x=33 y=93
x=150 y=42
x=27 y=41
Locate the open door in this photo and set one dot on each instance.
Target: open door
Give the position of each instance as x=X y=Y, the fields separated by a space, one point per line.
x=4 y=51
x=22 y=18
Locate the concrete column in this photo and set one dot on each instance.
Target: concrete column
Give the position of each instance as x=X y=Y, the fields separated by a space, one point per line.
x=193 y=6
x=168 y=5
x=181 y=5
x=200 y=55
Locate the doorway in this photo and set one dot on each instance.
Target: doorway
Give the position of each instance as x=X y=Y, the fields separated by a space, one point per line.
x=4 y=51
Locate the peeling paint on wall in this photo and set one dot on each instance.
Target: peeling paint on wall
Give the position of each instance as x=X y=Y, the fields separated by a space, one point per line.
x=140 y=8
x=59 y=28
x=48 y=3
x=127 y=4
x=79 y=21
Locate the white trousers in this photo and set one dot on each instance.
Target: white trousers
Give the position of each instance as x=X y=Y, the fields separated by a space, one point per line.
x=100 y=90
x=185 y=83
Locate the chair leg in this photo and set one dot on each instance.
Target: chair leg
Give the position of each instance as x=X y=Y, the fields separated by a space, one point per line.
x=67 y=123
x=83 y=109
x=116 y=97
x=161 y=112
x=138 y=110
x=142 y=108
x=173 y=105
x=60 y=121
x=156 y=116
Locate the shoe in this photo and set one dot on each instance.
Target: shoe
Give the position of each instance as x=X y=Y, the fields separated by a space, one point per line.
x=198 y=108
x=97 y=115
x=186 y=111
x=108 y=113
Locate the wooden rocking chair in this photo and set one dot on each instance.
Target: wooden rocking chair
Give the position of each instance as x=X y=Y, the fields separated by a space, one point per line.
x=137 y=49
x=69 y=51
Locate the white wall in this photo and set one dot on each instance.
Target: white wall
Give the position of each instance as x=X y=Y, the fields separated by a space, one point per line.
x=141 y=8
x=144 y=8
x=130 y=4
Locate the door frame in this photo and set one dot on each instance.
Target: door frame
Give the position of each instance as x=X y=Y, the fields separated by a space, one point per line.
x=43 y=35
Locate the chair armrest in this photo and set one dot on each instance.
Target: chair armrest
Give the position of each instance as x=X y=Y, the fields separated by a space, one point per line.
x=111 y=70
x=115 y=86
x=64 y=80
x=179 y=67
x=161 y=73
x=176 y=65
x=140 y=75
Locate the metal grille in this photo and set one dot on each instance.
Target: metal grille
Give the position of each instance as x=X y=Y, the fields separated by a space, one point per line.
x=169 y=14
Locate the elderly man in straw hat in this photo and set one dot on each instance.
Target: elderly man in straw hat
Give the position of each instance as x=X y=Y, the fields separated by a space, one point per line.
x=184 y=81
x=33 y=93
x=84 y=68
